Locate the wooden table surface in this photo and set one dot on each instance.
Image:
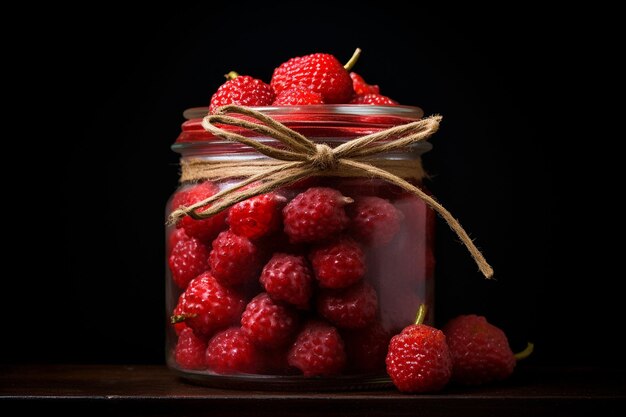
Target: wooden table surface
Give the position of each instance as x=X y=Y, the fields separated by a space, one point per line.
x=153 y=390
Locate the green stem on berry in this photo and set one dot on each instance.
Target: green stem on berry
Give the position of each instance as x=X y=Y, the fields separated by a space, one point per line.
x=179 y=318
x=525 y=353
x=231 y=75
x=421 y=314
x=352 y=61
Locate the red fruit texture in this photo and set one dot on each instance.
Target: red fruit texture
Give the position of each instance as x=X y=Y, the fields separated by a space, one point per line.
x=204 y=229
x=315 y=214
x=268 y=324
x=188 y=259
x=419 y=360
x=338 y=263
x=230 y=352
x=244 y=91
x=234 y=260
x=361 y=87
x=178 y=310
x=209 y=306
x=321 y=73
x=353 y=307
x=374 y=220
x=190 y=351
x=374 y=99
x=480 y=351
x=288 y=278
x=257 y=216
x=318 y=350
x=366 y=348
x=175 y=236
x=298 y=96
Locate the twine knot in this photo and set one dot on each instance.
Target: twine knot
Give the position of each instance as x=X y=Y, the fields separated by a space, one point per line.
x=301 y=158
x=324 y=158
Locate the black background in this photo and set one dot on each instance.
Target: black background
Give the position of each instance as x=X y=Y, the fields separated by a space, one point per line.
x=114 y=85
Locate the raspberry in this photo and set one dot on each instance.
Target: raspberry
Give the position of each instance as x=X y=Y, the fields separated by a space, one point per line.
x=188 y=259
x=338 y=263
x=298 y=96
x=374 y=220
x=206 y=306
x=288 y=278
x=321 y=73
x=353 y=307
x=315 y=214
x=361 y=87
x=175 y=236
x=257 y=216
x=230 y=351
x=204 y=229
x=374 y=99
x=234 y=259
x=268 y=324
x=419 y=360
x=242 y=90
x=178 y=311
x=190 y=350
x=480 y=351
x=318 y=350
x=366 y=348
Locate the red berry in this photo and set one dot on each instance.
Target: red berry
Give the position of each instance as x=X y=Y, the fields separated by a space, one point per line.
x=316 y=214
x=321 y=73
x=353 y=307
x=188 y=259
x=257 y=216
x=361 y=87
x=298 y=96
x=234 y=260
x=204 y=229
x=244 y=91
x=374 y=99
x=480 y=351
x=230 y=352
x=366 y=348
x=208 y=306
x=374 y=220
x=419 y=360
x=190 y=351
x=288 y=278
x=178 y=311
x=268 y=324
x=318 y=350
x=338 y=263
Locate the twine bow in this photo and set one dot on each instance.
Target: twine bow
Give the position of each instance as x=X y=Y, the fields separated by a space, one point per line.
x=302 y=158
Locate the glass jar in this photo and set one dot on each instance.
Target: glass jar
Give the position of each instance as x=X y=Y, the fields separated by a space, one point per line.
x=301 y=288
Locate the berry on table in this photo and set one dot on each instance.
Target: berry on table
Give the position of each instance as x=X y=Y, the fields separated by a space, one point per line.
x=190 y=350
x=231 y=351
x=318 y=350
x=267 y=323
x=353 y=307
x=288 y=278
x=234 y=260
x=242 y=90
x=480 y=351
x=418 y=359
x=315 y=214
x=338 y=263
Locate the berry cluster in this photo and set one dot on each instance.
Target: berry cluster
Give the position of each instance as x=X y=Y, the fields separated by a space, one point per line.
x=278 y=283
x=312 y=79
